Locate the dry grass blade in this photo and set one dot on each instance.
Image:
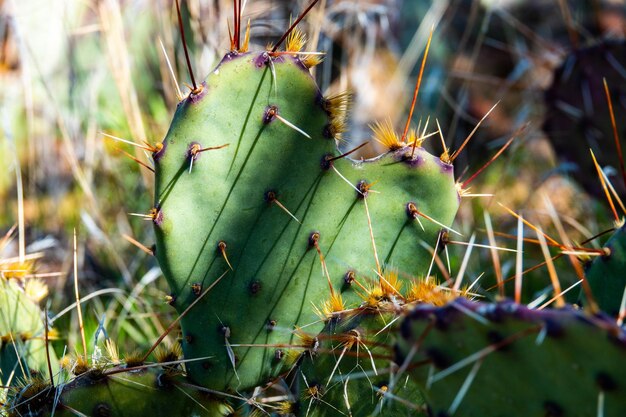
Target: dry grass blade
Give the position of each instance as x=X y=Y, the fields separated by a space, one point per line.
x=495 y=258
x=560 y=301
x=574 y=260
x=78 y=307
x=519 y=261
x=118 y=57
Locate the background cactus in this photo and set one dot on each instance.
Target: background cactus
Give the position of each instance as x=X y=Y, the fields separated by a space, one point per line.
x=606 y=278
x=466 y=356
x=22 y=334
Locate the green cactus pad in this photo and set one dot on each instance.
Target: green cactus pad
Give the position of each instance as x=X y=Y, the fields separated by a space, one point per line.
x=21 y=334
x=606 y=274
x=229 y=208
x=504 y=359
x=127 y=393
x=351 y=371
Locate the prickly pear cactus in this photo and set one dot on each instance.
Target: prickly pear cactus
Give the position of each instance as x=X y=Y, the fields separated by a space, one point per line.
x=277 y=214
x=267 y=235
x=606 y=274
x=351 y=370
x=22 y=348
x=117 y=392
x=475 y=359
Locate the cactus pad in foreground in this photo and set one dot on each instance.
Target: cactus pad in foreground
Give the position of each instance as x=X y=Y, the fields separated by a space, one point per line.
x=351 y=371
x=477 y=359
x=117 y=392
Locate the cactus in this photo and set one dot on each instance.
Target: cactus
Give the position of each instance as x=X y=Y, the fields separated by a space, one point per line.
x=472 y=357
x=302 y=277
x=351 y=369
x=272 y=207
x=606 y=275
x=117 y=391
x=22 y=347
x=255 y=207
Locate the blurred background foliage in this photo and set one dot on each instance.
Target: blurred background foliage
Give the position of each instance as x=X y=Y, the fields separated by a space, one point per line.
x=72 y=70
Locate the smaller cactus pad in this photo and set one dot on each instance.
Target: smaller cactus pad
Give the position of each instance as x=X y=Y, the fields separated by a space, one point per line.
x=477 y=359
x=21 y=334
x=606 y=274
x=150 y=392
